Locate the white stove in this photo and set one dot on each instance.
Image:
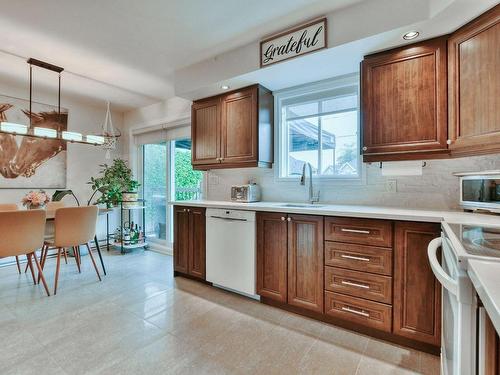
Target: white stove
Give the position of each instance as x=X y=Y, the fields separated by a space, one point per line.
x=459 y=243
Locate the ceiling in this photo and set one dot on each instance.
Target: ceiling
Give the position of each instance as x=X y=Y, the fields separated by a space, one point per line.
x=128 y=50
x=135 y=53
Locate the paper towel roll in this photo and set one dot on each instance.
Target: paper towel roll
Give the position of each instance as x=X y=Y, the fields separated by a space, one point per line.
x=402 y=168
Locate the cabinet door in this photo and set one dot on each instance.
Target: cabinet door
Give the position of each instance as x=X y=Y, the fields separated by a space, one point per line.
x=474 y=85
x=417 y=293
x=196 y=262
x=272 y=256
x=205 y=132
x=305 y=262
x=181 y=239
x=404 y=100
x=239 y=127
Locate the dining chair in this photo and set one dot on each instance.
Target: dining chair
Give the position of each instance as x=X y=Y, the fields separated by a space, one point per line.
x=11 y=207
x=74 y=226
x=22 y=233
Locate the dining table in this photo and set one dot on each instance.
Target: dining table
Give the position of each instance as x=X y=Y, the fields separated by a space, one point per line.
x=51 y=215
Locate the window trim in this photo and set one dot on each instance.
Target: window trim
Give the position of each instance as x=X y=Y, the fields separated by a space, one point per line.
x=280 y=157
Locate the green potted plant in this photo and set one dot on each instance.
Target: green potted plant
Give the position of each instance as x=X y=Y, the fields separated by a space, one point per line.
x=113 y=181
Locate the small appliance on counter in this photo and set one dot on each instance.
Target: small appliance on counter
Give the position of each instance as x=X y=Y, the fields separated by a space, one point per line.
x=480 y=190
x=245 y=193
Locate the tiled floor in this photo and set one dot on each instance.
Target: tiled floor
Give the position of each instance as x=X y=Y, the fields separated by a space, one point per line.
x=140 y=320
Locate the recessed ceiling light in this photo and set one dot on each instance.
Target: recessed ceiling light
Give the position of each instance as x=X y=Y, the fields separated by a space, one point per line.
x=411 y=35
x=224 y=87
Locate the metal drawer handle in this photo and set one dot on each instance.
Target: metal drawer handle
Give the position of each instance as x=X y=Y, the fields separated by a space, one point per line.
x=355 y=311
x=355 y=258
x=355 y=231
x=343 y=282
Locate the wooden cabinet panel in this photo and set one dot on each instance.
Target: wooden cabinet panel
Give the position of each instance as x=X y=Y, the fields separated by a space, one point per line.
x=474 y=85
x=239 y=126
x=359 y=284
x=181 y=239
x=233 y=130
x=196 y=263
x=417 y=293
x=272 y=256
x=205 y=132
x=360 y=311
x=361 y=231
x=359 y=257
x=404 y=100
x=491 y=349
x=305 y=262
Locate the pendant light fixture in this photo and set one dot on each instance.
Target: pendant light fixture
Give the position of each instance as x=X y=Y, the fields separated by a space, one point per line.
x=109 y=135
x=47 y=133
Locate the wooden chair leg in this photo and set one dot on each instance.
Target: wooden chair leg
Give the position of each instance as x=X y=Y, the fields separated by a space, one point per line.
x=30 y=265
x=65 y=253
x=57 y=269
x=43 y=258
x=27 y=265
x=93 y=262
x=77 y=258
x=42 y=255
x=40 y=275
x=18 y=265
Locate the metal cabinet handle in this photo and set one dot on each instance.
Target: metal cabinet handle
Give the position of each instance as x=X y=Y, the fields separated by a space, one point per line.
x=188 y=210
x=355 y=311
x=354 y=257
x=184 y=210
x=283 y=218
x=349 y=283
x=289 y=219
x=448 y=142
x=355 y=231
x=365 y=148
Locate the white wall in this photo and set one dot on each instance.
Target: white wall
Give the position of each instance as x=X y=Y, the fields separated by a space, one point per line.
x=82 y=160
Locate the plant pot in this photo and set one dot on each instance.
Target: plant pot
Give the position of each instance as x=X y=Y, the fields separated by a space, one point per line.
x=35 y=207
x=130 y=196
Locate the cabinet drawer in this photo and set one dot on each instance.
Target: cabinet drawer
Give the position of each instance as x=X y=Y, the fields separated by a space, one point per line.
x=360 y=311
x=358 y=257
x=359 y=231
x=359 y=284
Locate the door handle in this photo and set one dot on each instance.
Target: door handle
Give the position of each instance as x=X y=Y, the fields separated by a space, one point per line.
x=349 y=283
x=354 y=257
x=355 y=311
x=355 y=231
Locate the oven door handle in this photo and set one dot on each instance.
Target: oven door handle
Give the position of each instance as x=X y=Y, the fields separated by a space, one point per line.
x=445 y=279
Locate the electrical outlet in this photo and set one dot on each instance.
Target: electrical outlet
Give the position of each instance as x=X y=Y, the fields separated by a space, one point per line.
x=391 y=186
x=213 y=179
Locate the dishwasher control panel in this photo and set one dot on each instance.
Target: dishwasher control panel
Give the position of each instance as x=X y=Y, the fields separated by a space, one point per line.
x=223 y=213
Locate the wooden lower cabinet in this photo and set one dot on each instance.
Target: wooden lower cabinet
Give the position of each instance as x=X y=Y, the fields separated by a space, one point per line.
x=491 y=360
x=305 y=262
x=189 y=241
x=417 y=293
x=290 y=259
x=272 y=256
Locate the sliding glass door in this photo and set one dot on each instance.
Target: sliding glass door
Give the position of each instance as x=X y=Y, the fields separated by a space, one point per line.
x=167 y=175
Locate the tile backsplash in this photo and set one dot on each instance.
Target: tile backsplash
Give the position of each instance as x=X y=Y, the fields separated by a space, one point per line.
x=436 y=188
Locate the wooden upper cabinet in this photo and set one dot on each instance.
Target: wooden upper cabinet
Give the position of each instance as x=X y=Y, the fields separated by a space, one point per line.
x=417 y=293
x=305 y=262
x=404 y=102
x=474 y=86
x=239 y=127
x=272 y=256
x=233 y=130
x=205 y=131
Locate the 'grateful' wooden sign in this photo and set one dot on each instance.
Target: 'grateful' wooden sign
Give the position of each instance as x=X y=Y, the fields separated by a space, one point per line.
x=292 y=43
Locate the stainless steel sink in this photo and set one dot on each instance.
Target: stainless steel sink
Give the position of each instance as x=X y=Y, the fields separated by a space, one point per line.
x=300 y=205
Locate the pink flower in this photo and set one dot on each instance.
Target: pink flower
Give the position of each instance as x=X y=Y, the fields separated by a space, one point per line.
x=35 y=198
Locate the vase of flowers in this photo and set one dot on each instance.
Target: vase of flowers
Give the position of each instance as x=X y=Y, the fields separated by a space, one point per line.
x=35 y=200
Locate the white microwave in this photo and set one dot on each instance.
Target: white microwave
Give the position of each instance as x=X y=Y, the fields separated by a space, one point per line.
x=480 y=190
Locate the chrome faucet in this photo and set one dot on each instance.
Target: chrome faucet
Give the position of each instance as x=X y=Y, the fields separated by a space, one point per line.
x=312 y=198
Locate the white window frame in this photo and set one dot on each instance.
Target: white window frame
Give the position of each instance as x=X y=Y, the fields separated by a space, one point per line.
x=281 y=141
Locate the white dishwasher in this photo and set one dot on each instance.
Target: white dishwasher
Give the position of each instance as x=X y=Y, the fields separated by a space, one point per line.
x=231 y=250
